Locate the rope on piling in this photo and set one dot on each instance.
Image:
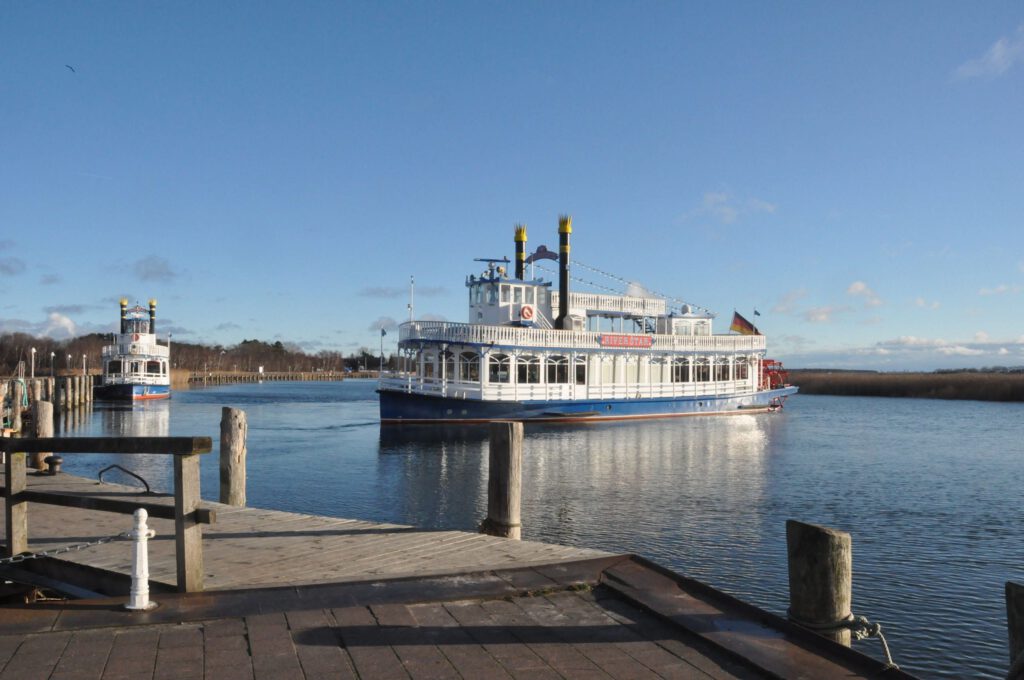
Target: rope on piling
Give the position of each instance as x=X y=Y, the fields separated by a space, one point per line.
x=860 y=629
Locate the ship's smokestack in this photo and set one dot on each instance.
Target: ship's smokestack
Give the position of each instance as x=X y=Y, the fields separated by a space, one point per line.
x=124 y=314
x=520 y=251
x=152 y=316
x=564 y=229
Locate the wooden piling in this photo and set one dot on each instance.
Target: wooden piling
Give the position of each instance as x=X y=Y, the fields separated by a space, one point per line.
x=16 y=405
x=1015 y=628
x=188 y=533
x=504 y=482
x=820 y=578
x=233 y=432
x=42 y=420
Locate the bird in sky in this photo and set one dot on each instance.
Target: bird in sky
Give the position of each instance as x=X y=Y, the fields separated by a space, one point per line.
x=71 y=69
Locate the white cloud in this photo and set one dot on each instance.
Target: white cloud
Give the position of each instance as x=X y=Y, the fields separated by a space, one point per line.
x=921 y=302
x=981 y=336
x=961 y=351
x=823 y=314
x=1003 y=351
x=999 y=58
x=1001 y=289
x=788 y=302
x=728 y=209
x=861 y=289
x=912 y=341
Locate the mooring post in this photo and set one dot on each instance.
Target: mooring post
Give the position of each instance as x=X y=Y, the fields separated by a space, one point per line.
x=504 y=481
x=1015 y=628
x=820 y=579
x=17 y=398
x=233 y=432
x=42 y=418
x=140 y=534
x=188 y=534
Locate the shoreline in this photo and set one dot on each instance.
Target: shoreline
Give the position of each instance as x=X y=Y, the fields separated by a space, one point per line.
x=970 y=385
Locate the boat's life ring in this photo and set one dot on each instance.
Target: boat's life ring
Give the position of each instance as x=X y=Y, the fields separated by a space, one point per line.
x=526 y=312
x=135 y=337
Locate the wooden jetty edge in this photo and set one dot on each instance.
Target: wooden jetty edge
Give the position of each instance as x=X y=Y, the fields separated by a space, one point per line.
x=374 y=588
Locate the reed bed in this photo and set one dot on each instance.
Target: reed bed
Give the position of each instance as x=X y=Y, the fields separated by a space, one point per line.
x=987 y=386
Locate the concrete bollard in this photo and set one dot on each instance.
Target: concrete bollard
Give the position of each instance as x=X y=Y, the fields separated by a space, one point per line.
x=233 y=432
x=820 y=579
x=140 y=534
x=504 y=482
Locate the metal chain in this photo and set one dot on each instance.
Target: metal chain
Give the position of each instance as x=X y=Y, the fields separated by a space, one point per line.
x=124 y=535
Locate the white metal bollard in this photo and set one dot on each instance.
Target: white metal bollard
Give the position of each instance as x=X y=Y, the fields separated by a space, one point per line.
x=140 y=535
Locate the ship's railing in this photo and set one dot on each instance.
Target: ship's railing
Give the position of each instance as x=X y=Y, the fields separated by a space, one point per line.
x=514 y=336
x=140 y=348
x=564 y=391
x=136 y=379
x=623 y=304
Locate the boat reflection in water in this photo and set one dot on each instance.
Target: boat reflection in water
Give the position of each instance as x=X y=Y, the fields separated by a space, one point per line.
x=141 y=419
x=582 y=484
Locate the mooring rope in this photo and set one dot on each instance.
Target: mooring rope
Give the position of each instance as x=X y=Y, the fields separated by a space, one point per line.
x=860 y=629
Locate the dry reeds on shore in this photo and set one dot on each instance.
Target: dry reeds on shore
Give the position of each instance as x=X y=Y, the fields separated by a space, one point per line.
x=987 y=386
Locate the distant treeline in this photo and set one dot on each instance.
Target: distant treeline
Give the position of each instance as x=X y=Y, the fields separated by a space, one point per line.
x=70 y=355
x=995 y=384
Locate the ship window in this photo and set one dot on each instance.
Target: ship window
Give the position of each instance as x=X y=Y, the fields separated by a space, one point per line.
x=581 y=371
x=498 y=368
x=528 y=369
x=153 y=367
x=517 y=295
x=701 y=371
x=492 y=294
x=722 y=369
x=740 y=371
x=469 y=367
x=449 y=365
x=504 y=294
x=681 y=370
x=528 y=296
x=558 y=370
x=477 y=294
x=136 y=367
x=114 y=366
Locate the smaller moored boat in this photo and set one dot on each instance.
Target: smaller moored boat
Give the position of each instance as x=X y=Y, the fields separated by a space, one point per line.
x=136 y=366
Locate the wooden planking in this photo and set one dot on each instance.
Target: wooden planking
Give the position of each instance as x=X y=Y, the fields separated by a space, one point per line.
x=177 y=446
x=252 y=547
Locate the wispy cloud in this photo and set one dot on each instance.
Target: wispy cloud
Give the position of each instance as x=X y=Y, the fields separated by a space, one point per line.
x=725 y=208
x=861 y=290
x=49 y=279
x=1000 y=58
x=1001 y=289
x=385 y=322
x=67 y=309
x=787 y=305
x=154 y=268
x=824 y=314
x=396 y=292
x=227 y=326
x=11 y=266
x=925 y=304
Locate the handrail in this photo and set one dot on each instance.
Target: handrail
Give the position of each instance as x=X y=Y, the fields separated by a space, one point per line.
x=188 y=516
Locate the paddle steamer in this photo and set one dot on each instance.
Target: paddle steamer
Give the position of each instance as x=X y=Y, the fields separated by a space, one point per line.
x=136 y=366
x=533 y=353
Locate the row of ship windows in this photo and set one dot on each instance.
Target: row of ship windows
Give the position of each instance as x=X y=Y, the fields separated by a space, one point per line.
x=117 y=366
x=465 y=367
x=517 y=295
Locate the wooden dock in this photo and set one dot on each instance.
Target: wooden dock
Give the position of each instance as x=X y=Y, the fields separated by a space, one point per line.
x=294 y=595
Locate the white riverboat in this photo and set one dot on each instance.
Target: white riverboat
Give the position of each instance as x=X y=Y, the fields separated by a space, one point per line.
x=136 y=366
x=533 y=353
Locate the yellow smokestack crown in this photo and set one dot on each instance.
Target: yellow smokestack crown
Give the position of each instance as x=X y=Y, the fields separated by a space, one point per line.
x=521 y=233
x=564 y=224
x=124 y=302
x=152 y=302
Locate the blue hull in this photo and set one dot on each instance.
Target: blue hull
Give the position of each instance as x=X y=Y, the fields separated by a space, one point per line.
x=403 y=407
x=131 y=392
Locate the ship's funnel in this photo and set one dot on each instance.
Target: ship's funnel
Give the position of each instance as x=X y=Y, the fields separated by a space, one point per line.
x=520 y=251
x=124 y=314
x=152 y=316
x=564 y=229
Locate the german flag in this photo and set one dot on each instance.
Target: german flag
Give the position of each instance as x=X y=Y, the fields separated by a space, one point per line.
x=742 y=326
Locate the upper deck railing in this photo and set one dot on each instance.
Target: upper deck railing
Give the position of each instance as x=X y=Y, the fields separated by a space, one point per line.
x=514 y=336
x=621 y=304
x=140 y=347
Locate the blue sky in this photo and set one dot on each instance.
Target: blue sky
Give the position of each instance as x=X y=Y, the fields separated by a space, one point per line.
x=854 y=171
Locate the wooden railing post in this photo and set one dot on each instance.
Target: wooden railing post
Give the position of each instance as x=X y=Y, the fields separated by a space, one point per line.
x=233 y=432
x=1015 y=628
x=188 y=534
x=820 y=578
x=17 y=398
x=504 y=482
x=15 y=508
